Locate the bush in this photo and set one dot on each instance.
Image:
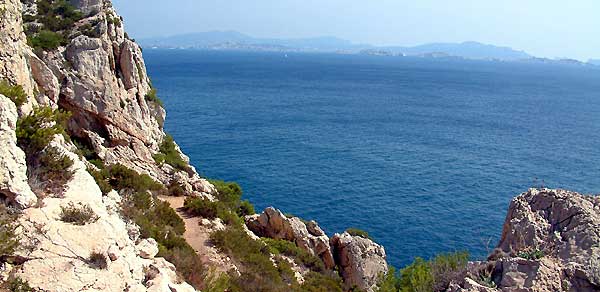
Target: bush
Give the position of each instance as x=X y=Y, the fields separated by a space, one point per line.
x=531 y=254
x=54 y=167
x=448 y=267
x=121 y=177
x=152 y=95
x=18 y=285
x=230 y=193
x=246 y=208
x=435 y=275
x=300 y=256
x=100 y=178
x=168 y=154
x=46 y=40
x=358 y=232
x=36 y=130
x=14 y=92
x=257 y=270
x=389 y=282
x=201 y=207
x=77 y=215
x=9 y=240
x=416 y=277
x=97 y=260
x=175 y=189
x=316 y=282
x=57 y=15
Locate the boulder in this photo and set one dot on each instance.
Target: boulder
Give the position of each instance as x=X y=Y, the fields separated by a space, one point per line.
x=557 y=224
x=360 y=261
x=13 y=169
x=274 y=224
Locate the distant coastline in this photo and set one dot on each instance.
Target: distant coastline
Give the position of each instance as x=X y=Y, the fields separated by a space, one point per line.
x=235 y=41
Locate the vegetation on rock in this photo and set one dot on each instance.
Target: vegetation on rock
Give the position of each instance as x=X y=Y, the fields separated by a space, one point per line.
x=77 y=214
x=9 y=240
x=37 y=129
x=14 y=92
x=358 y=232
x=51 y=26
x=168 y=154
x=426 y=276
x=152 y=95
x=98 y=260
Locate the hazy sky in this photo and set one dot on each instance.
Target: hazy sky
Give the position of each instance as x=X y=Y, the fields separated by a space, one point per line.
x=546 y=28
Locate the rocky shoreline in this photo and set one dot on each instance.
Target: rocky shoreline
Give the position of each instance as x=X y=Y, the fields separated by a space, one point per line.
x=83 y=206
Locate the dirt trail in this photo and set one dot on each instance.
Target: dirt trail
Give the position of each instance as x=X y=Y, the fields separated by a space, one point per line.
x=198 y=237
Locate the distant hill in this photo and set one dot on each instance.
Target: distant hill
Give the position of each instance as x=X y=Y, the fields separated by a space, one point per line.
x=232 y=40
x=594 y=62
x=471 y=50
x=236 y=40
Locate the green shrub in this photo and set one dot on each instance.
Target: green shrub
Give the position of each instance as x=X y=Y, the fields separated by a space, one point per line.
x=14 y=92
x=97 y=260
x=246 y=208
x=389 y=282
x=77 y=215
x=121 y=177
x=18 y=285
x=201 y=207
x=37 y=129
x=416 y=277
x=152 y=96
x=9 y=240
x=57 y=15
x=230 y=193
x=54 y=167
x=531 y=254
x=189 y=264
x=168 y=154
x=358 y=232
x=158 y=220
x=175 y=189
x=100 y=178
x=46 y=40
x=317 y=282
x=448 y=267
x=300 y=256
x=435 y=275
x=257 y=269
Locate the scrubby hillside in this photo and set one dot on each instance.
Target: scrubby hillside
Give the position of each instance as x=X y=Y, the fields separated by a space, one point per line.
x=95 y=196
x=91 y=183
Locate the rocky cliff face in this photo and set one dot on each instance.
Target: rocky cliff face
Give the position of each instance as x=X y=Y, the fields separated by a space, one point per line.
x=550 y=242
x=100 y=78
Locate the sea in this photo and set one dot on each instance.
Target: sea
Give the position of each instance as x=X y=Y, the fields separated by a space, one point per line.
x=424 y=154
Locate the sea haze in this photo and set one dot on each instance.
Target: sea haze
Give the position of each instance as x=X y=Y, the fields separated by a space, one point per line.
x=424 y=154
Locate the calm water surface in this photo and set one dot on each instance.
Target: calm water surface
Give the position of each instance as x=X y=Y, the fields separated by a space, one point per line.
x=423 y=154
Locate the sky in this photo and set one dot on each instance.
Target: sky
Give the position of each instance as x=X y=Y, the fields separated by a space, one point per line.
x=544 y=28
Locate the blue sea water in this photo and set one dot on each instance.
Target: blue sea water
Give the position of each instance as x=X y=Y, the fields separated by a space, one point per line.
x=423 y=154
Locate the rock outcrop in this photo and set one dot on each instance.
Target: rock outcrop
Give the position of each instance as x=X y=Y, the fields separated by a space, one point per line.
x=13 y=48
x=361 y=261
x=273 y=223
x=62 y=251
x=550 y=242
x=13 y=169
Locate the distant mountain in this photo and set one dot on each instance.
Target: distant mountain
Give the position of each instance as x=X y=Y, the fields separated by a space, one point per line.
x=594 y=62
x=471 y=50
x=232 y=40
x=236 y=40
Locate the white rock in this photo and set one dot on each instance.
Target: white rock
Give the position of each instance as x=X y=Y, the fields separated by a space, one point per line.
x=13 y=169
x=148 y=248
